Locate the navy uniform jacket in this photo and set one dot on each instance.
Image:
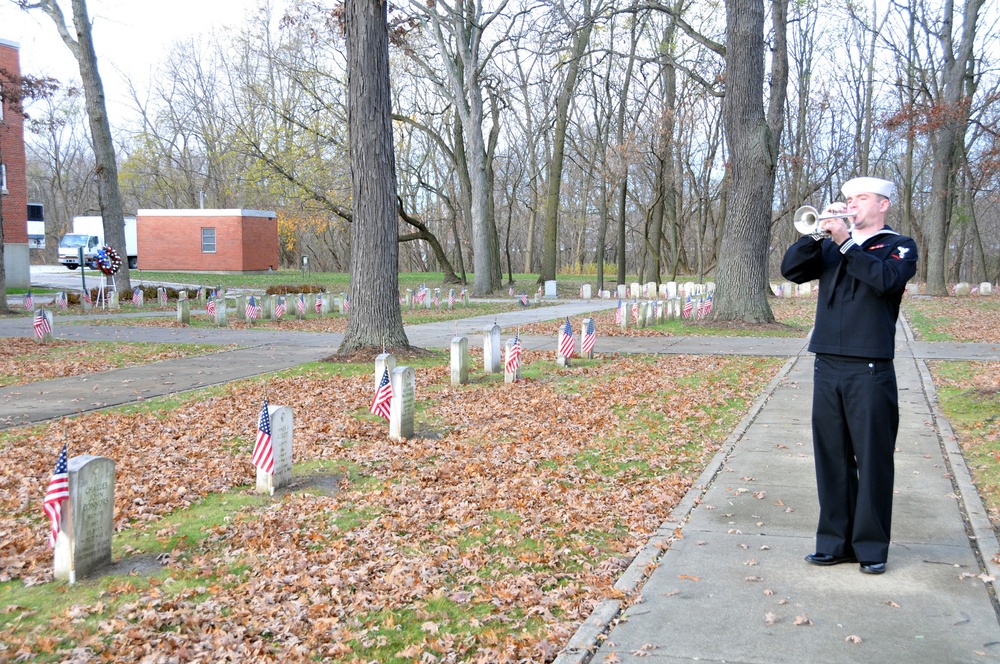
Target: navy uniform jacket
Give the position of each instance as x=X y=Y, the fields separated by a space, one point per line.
x=860 y=288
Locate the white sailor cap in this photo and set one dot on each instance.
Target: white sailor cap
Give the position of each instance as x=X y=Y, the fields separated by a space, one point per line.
x=868 y=186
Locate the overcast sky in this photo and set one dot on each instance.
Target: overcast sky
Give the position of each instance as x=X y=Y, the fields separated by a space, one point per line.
x=130 y=36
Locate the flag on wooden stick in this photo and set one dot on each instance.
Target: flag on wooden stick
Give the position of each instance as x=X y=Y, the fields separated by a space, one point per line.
x=383 y=396
x=41 y=324
x=589 y=336
x=56 y=495
x=263 y=451
x=566 y=341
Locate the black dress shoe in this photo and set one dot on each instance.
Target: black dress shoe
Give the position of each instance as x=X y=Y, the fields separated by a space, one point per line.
x=826 y=559
x=872 y=568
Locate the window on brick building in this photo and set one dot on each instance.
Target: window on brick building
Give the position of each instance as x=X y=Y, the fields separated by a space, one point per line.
x=208 y=240
x=3 y=178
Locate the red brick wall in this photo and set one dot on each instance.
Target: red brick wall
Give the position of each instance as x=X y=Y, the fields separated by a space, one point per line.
x=15 y=204
x=173 y=242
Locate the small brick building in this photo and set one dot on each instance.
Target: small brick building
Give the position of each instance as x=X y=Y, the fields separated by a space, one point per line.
x=207 y=240
x=13 y=182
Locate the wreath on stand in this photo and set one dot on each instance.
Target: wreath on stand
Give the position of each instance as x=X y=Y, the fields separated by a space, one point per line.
x=108 y=261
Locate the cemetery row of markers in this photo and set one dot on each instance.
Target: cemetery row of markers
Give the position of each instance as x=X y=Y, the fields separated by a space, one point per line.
x=80 y=498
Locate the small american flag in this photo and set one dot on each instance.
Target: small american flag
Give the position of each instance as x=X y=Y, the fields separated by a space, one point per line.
x=421 y=294
x=619 y=313
x=86 y=297
x=566 y=342
x=263 y=451
x=510 y=291
x=462 y=295
x=513 y=363
x=347 y=303
x=708 y=304
x=589 y=336
x=524 y=299
x=56 y=495
x=319 y=303
x=63 y=300
x=635 y=311
x=645 y=291
x=137 y=297
x=29 y=301
x=42 y=326
x=210 y=307
x=451 y=298
x=688 y=307
x=436 y=299
x=201 y=289
x=301 y=304
x=252 y=310
x=383 y=396
x=581 y=292
x=279 y=308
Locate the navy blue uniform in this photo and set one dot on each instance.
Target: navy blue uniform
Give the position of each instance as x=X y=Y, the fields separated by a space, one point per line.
x=855 y=413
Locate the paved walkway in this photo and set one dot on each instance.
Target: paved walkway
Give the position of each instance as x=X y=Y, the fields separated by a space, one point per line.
x=734 y=585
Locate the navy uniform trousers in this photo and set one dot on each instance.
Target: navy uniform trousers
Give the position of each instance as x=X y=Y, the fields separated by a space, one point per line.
x=855 y=417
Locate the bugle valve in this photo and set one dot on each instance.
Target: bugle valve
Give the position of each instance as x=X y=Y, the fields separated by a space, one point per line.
x=807 y=218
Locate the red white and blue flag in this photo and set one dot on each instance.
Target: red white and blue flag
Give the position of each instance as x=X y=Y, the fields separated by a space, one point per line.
x=708 y=304
x=347 y=303
x=510 y=291
x=383 y=396
x=210 y=306
x=279 y=307
x=451 y=298
x=635 y=311
x=566 y=342
x=137 y=297
x=263 y=451
x=524 y=299
x=86 y=297
x=589 y=336
x=41 y=324
x=252 y=310
x=301 y=304
x=688 y=307
x=619 y=313
x=421 y=294
x=56 y=494
x=63 y=300
x=513 y=362
x=29 y=301
x=319 y=303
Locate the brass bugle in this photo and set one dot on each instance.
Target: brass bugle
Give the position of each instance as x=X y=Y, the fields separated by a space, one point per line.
x=807 y=220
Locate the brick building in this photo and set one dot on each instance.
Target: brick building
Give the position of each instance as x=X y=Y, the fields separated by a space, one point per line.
x=207 y=240
x=13 y=183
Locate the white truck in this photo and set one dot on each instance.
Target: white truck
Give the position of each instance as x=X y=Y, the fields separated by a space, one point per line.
x=88 y=232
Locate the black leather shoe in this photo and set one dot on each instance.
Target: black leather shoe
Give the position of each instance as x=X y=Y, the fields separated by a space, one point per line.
x=873 y=568
x=826 y=559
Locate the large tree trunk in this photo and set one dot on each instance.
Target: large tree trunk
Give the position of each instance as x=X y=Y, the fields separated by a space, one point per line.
x=953 y=107
x=753 y=141
x=375 y=319
x=109 y=196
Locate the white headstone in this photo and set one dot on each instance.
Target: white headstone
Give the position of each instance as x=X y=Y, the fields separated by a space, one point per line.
x=635 y=290
x=404 y=385
x=281 y=444
x=650 y=290
x=583 y=333
x=491 y=349
x=383 y=361
x=912 y=289
x=710 y=287
x=626 y=313
x=161 y=296
x=220 y=311
x=90 y=523
x=588 y=293
x=183 y=312
x=787 y=289
x=550 y=290
x=201 y=295
x=641 y=323
x=962 y=288
x=671 y=289
x=561 y=360
x=688 y=288
x=408 y=300
x=459 y=361
x=622 y=291
x=241 y=307
x=113 y=300
x=804 y=290
x=986 y=288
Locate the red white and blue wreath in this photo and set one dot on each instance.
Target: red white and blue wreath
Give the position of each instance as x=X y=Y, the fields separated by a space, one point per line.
x=108 y=261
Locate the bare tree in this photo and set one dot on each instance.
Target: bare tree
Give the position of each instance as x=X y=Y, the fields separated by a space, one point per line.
x=82 y=48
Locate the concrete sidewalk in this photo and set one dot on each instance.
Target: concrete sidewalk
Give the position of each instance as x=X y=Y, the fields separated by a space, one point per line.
x=733 y=586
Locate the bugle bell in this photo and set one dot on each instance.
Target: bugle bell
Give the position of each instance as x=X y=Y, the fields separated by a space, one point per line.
x=807 y=218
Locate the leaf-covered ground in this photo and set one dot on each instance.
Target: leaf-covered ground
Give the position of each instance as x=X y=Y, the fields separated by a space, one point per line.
x=969 y=319
x=488 y=538
x=22 y=360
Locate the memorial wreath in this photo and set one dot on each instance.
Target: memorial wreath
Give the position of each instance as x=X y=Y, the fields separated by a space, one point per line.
x=108 y=261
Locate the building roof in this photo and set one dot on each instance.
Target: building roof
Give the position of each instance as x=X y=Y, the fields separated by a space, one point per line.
x=7 y=42
x=198 y=212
